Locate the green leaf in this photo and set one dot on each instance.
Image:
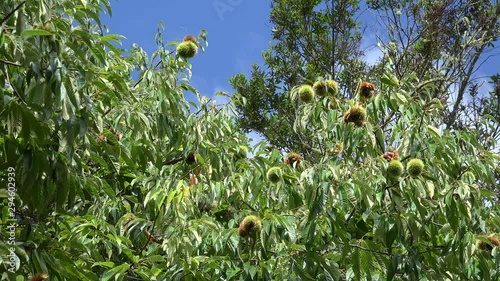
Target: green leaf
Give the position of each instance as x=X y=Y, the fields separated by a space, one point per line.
x=35 y=32
x=304 y=275
x=112 y=38
x=400 y=98
x=116 y=271
x=452 y=212
x=392 y=268
x=356 y=264
x=391 y=233
x=390 y=79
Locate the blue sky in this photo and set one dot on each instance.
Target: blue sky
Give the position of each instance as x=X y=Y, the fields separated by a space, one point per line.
x=237 y=32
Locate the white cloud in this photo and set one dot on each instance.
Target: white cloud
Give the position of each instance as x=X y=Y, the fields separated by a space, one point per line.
x=373 y=55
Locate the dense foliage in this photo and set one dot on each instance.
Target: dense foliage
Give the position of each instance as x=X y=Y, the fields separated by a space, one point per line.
x=106 y=177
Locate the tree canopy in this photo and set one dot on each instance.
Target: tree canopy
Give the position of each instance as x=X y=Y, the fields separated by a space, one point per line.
x=107 y=177
x=443 y=42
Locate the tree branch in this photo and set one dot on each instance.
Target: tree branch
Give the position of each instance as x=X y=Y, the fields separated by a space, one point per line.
x=9 y=62
x=6 y=73
x=12 y=12
x=156 y=66
x=463 y=87
x=368 y=250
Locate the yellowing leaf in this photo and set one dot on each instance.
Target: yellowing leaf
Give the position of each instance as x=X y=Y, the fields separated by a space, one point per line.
x=433 y=131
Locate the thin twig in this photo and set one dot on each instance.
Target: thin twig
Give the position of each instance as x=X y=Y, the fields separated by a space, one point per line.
x=12 y=12
x=174 y=161
x=9 y=62
x=350 y=215
x=133 y=278
x=249 y=206
x=6 y=73
x=157 y=64
x=107 y=111
x=152 y=230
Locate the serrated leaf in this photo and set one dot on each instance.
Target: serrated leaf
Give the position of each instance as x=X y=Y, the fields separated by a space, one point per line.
x=356 y=264
x=366 y=261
